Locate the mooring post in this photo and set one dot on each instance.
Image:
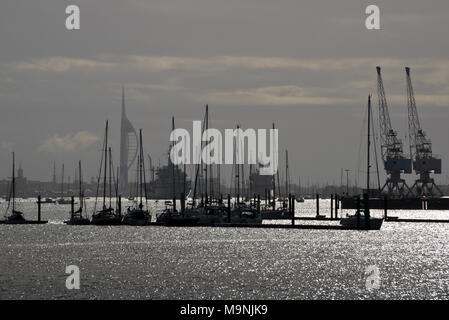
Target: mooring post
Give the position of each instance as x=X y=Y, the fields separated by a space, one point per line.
x=119 y=205
x=317 y=204
x=385 y=207
x=72 y=205
x=336 y=206
x=174 y=203
x=266 y=197
x=289 y=207
x=229 y=208
x=332 y=205
x=258 y=204
x=39 y=208
x=366 y=210
x=358 y=211
x=183 y=203
x=293 y=209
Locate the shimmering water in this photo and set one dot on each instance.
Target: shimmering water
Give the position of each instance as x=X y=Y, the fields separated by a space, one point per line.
x=223 y=263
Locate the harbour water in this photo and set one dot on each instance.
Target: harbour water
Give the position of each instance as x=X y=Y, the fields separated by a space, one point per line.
x=124 y=262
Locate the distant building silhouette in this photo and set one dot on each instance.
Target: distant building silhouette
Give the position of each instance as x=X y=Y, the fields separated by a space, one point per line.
x=128 y=147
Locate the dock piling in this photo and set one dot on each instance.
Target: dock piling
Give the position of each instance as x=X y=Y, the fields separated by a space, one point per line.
x=336 y=205
x=385 y=207
x=39 y=208
x=183 y=203
x=293 y=209
x=289 y=207
x=229 y=208
x=366 y=211
x=72 y=206
x=332 y=205
x=119 y=205
x=358 y=211
x=174 y=203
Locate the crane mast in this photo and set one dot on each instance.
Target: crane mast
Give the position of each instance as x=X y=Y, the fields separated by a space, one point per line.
x=424 y=163
x=391 y=148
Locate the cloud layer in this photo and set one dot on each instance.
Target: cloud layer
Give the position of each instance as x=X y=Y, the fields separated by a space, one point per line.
x=175 y=75
x=68 y=143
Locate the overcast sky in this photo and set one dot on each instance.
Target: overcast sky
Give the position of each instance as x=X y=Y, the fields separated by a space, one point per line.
x=306 y=65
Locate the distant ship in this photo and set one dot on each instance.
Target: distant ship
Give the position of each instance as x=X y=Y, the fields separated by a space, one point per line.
x=260 y=184
x=162 y=186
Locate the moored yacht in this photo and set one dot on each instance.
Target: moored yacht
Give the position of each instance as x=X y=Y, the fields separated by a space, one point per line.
x=107 y=215
x=138 y=216
x=365 y=221
x=16 y=216
x=76 y=217
x=361 y=222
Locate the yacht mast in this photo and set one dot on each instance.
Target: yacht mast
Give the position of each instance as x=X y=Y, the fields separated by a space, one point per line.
x=62 y=182
x=81 y=189
x=368 y=145
x=105 y=164
x=173 y=167
x=110 y=178
x=13 y=183
x=274 y=182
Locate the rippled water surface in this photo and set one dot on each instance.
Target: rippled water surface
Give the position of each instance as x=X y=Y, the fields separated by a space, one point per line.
x=223 y=263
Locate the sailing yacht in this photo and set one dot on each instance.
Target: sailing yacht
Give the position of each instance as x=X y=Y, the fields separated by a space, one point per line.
x=299 y=198
x=63 y=200
x=138 y=216
x=358 y=221
x=76 y=218
x=170 y=215
x=16 y=216
x=107 y=215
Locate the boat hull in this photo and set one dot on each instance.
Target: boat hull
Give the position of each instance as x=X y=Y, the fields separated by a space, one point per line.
x=78 y=222
x=352 y=223
x=275 y=214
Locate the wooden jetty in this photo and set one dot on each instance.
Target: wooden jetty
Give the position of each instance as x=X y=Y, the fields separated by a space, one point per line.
x=396 y=219
x=28 y=222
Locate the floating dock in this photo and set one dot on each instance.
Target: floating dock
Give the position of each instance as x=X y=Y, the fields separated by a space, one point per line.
x=262 y=226
x=396 y=219
x=400 y=204
x=26 y=222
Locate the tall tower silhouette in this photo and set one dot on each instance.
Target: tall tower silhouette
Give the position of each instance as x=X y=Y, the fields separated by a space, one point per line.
x=128 y=147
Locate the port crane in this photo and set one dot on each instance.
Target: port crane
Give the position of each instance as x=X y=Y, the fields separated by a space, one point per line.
x=393 y=157
x=424 y=162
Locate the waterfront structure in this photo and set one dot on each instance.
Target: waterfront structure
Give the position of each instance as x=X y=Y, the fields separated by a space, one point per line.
x=128 y=147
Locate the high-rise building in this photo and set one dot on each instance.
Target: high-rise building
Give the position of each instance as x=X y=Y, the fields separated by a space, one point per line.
x=128 y=147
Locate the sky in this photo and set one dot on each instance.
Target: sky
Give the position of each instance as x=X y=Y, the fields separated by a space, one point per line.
x=306 y=65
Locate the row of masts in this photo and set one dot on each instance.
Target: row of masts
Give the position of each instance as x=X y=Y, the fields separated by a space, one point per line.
x=203 y=188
